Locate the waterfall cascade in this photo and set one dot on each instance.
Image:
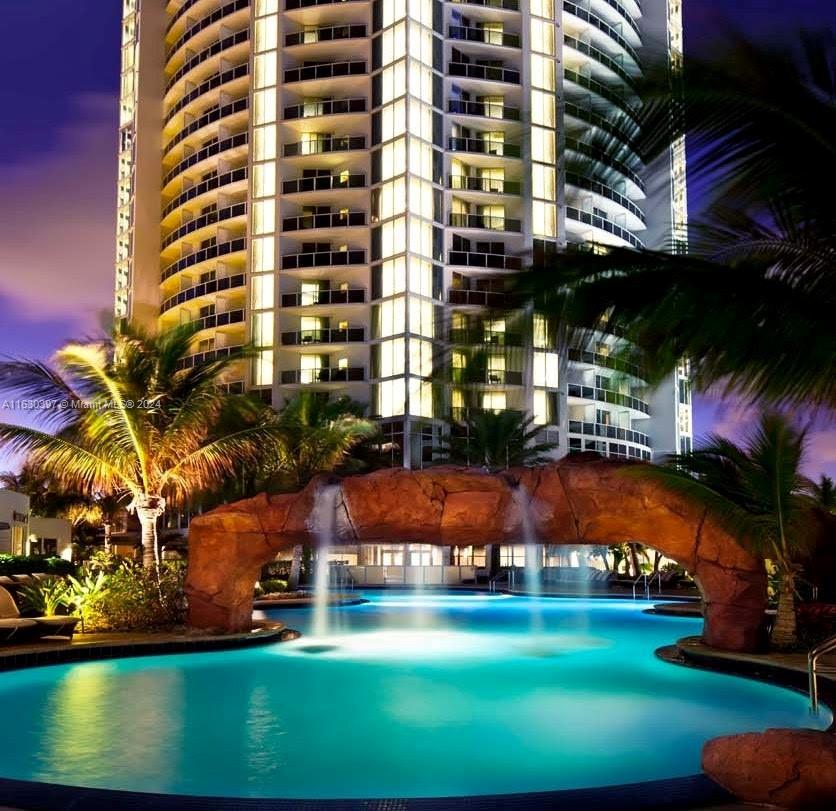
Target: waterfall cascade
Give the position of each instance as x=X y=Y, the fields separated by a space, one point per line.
x=324 y=526
x=533 y=556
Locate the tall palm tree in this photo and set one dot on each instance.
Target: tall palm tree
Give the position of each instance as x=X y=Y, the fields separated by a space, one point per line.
x=756 y=490
x=751 y=304
x=824 y=494
x=137 y=422
x=495 y=440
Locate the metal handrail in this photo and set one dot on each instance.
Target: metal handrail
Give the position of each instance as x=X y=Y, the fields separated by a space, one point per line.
x=814 y=669
x=658 y=577
x=636 y=582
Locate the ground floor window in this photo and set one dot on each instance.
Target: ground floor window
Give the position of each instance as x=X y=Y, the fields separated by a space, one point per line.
x=512 y=554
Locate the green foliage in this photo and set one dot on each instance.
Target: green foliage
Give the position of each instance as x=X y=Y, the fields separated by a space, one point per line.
x=274 y=586
x=28 y=564
x=83 y=592
x=46 y=597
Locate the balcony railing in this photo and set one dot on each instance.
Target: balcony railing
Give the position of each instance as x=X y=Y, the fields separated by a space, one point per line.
x=317 y=147
x=325 y=375
x=475 y=259
x=328 y=70
x=484 y=146
x=490 y=337
x=603 y=91
x=486 y=109
x=212 y=183
x=354 y=295
x=210 y=218
x=607 y=361
x=212 y=354
x=315 y=109
x=220 y=319
x=489 y=73
x=489 y=377
x=603 y=26
x=486 y=221
x=608 y=396
x=599 y=222
x=207 y=53
x=213 y=82
x=324 y=183
x=332 y=220
x=323 y=259
x=489 y=185
x=203 y=289
x=608 y=431
x=599 y=56
x=508 y=5
x=324 y=336
x=205 y=22
x=209 y=117
x=212 y=252
x=325 y=34
x=464 y=33
x=596 y=187
x=215 y=148
x=604 y=157
x=290 y=5
x=477 y=298
x=618 y=127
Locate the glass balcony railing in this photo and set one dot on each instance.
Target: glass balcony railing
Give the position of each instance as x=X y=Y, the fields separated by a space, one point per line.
x=290 y=5
x=477 y=298
x=333 y=220
x=212 y=354
x=601 y=57
x=608 y=431
x=465 y=33
x=324 y=336
x=208 y=151
x=324 y=183
x=595 y=186
x=486 y=377
x=325 y=34
x=209 y=117
x=323 y=259
x=210 y=218
x=204 y=254
x=605 y=158
x=603 y=26
x=220 y=319
x=486 y=109
x=595 y=221
x=490 y=73
x=212 y=83
x=489 y=337
x=607 y=361
x=207 y=53
x=212 y=183
x=486 y=221
x=317 y=147
x=328 y=70
x=355 y=295
x=476 y=259
x=484 y=146
x=317 y=109
x=507 y=5
x=608 y=396
x=326 y=375
x=203 y=289
x=205 y=22
x=489 y=185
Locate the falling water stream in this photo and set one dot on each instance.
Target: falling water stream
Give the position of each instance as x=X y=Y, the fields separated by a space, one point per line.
x=324 y=525
x=533 y=557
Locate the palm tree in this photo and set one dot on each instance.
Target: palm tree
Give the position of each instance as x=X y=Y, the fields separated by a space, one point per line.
x=824 y=494
x=495 y=440
x=756 y=490
x=752 y=302
x=138 y=422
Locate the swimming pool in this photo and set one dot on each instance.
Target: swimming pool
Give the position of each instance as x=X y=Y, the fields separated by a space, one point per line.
x=411 y=695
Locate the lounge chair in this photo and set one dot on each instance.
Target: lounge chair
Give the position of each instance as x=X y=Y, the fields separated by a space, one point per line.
x=37 y=626
x=24 y=579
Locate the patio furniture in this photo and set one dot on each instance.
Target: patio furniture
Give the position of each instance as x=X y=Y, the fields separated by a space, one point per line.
x=40 y=627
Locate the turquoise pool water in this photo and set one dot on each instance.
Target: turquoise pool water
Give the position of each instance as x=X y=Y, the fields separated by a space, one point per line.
x=411 y=696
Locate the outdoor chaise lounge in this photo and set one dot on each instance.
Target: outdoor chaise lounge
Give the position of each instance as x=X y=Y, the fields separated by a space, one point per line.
x=34 y=626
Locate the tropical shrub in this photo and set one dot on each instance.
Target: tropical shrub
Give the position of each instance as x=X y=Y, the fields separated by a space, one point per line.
x=27 y=564
x=45 y=598
x=274 y=586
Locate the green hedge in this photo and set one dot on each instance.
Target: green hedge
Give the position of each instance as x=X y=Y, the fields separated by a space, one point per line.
x=27 y=564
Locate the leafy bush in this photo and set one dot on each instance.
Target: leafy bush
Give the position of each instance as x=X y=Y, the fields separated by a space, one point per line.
x=46 y=597
x=273 y=586
x=27 y=564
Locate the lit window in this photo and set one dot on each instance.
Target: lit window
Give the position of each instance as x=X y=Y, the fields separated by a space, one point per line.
x=262 y=291
x=420 y=397
x=494 y=401
x=262 y=328
x=263 y=371
x=540 y=407
x=542 y=72
x=393 y=236
x=542 y=37
x=543 y=8
x=393 y=276
x=420 y=276
x=391 y=317
x=264 y=107
x=264 y=216
x=266 y=34
x=263 y=7
x=264 y=143
x=263 y=254
x=391 y=397
x=265 y=69
x=420 y=357
x=544 y=219
x=392 y=355
x=264 y=179
x=542 y=108
x=543 y=182
x=542 y=145
x=421 y=317
x=546 y=369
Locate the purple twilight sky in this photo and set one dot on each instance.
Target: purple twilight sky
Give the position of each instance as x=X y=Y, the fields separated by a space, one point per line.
x=58 y=162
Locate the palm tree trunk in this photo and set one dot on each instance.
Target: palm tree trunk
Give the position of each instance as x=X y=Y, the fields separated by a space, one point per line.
x=784 y=629
x=634 y=560
x=295 y=568
x=108 y=534
x=148 y=510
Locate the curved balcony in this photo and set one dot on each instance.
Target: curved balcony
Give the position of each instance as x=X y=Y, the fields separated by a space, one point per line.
x=323 y=259
x=608 y=431
x=290 y=5
x=606 y=361
x=596 y=187
x=608 y=396
x=328 y=33
x=482 y=146
x=335 y=219
x=203 y=255
x=487 y=73
x=354 y=295
x=205 y=186
x=600 y=89
x=482 y=336
x=210 y=355
x=330 y=374
x=214 y=49
x=487 y=185
x=328 y=70
x=603 y=157
x=324 y=183
x=477 y=298
x=505 y=5
x=604 y=27
x=483 y=109
x=202 y=24
x=220 y=320
x=485 y=221
x=492 y=261
x=215 y=148
x=595 y=221
x=317 y=109
x=602 y=123
x=601 y=57
x=204 y=289
x=210 y=218
x=345 y=144
x=464 y=33
x=625 y=15
x=187 y=5
x=304 y=337
x=209 y=117
x=212 y=83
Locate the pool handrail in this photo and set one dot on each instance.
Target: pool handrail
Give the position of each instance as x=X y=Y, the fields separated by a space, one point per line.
x=814 y=669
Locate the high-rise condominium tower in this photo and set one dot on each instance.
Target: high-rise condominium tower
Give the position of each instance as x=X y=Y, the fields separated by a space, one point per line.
x=349 y=184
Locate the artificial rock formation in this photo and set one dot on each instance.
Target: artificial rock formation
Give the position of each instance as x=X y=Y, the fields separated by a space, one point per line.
x=572 y=501
x=788 y=768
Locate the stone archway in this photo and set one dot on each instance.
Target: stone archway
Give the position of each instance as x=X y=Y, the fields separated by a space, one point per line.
x=573 y=501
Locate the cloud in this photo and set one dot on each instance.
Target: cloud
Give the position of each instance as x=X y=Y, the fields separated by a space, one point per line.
x=57 y=220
